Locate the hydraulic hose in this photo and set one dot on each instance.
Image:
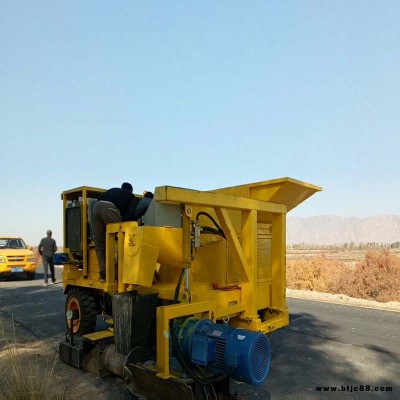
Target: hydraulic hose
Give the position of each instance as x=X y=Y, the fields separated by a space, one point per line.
x=220 y=231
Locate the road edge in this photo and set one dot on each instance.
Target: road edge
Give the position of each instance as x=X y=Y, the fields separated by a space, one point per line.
x=342 y=299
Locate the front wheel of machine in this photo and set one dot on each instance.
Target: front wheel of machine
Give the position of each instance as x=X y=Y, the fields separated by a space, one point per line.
x=82 y=303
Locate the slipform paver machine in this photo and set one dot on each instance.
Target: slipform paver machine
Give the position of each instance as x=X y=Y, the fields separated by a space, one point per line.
x=193 y=290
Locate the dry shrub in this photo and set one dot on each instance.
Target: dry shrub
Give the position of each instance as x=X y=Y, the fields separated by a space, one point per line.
x=317 y=274
x=374 y=278
x=21 y=376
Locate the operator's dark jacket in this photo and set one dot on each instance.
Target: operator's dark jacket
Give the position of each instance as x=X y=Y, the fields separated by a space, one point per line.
x=124 y=200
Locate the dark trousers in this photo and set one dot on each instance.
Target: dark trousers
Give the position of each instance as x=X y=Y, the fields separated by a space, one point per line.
x=103 y=213
x=48 y=262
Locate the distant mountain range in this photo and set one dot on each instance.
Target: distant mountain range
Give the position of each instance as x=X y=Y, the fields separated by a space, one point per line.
x=330 y=229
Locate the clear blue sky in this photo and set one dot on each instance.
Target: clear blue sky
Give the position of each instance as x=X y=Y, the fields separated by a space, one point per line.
x=199 y=95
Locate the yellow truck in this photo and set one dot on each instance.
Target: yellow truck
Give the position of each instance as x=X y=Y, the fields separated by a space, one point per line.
x=192 y=293
x=16 y=257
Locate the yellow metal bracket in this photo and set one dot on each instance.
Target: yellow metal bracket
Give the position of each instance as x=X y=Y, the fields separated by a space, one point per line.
x=232 y=239
x=164 y=315
x=170 y=194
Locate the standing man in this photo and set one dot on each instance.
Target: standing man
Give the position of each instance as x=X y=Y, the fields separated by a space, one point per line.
x=115 y=205
x=47 y=248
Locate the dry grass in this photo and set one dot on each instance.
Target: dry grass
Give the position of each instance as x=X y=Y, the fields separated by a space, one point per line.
x=22 y=376
x=30 y=369
x=374 y=277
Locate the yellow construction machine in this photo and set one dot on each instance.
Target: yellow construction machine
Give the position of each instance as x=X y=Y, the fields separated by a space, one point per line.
x=192 y=291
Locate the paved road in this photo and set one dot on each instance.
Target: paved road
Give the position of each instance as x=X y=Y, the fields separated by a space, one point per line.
x=346 y=351
x=39 y=309
x=336 y=346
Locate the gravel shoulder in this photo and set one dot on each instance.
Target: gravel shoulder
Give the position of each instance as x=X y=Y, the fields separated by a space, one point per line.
x=342 y=299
